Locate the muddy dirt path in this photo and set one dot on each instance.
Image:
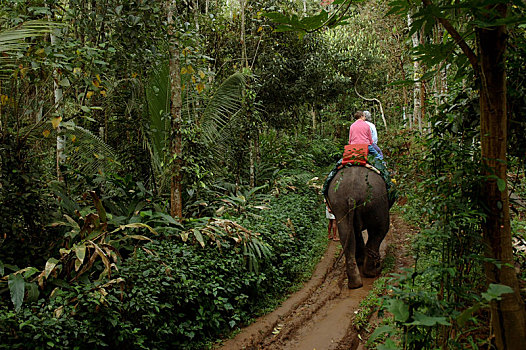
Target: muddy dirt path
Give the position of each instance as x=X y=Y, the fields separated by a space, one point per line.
x=319 y=316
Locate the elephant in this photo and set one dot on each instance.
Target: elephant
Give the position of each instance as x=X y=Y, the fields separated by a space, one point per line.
x=358 y=199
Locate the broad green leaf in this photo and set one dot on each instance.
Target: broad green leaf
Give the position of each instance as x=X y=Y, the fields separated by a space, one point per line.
x=399 y=309
x=80 y=252
x=501 y=184
x=421 y=319
x=64 y=82
x=78 y=264
x=50 y=266
x=466 y=314
x=495 y=291
x=388 y=345
x=72 y=222
x=379 y=331
x=32 y=292
x=199 y=237
x=277 y=17
x=16 y=285
x=100 y=208
x=284 y=28
x=29 y=271
x=313 y=22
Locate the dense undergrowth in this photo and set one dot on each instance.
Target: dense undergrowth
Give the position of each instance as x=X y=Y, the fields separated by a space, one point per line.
x=443 y=300
x=123 y=274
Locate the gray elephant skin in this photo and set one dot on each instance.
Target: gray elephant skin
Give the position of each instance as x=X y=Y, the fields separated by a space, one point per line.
x=358 y=198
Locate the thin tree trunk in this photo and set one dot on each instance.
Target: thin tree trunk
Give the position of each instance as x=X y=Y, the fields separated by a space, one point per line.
x=313 y=114
x=416 y=76
x=176 y=201
x=404 y=88
x=375 y=100
x=247 y=106
x=507 y=315
x=61 y=140
x=196 y=15
x=422 y=105
x=443 y=76
x=252 y=156
x=244 y=59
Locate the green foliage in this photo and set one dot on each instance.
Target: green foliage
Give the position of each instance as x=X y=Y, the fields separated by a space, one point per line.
x=417 y=320
x=25 y=204
x=441 y=301
x=184 y=288
x=311 y=23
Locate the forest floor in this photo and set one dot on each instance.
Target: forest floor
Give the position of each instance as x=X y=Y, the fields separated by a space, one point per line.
x=320 y=315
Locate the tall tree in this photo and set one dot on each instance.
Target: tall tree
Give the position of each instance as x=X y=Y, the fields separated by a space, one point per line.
x=488 y=60
x=176 y=199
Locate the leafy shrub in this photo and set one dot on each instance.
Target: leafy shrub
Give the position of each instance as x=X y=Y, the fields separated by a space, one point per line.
x=25 y=203
x=434 y=301
x=185 y=288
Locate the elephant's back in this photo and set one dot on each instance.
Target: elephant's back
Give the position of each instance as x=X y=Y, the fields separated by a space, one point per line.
x=358 y=183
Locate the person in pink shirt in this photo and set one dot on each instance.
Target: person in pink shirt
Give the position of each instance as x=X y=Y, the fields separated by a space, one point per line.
x=360 y=132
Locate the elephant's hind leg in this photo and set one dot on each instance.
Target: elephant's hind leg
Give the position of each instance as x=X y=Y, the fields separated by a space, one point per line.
x=372 y=264
x=348 y=241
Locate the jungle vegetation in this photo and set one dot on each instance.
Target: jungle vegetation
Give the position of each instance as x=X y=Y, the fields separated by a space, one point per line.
x=161 y=164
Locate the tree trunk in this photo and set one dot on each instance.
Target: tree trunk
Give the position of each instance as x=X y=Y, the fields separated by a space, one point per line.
x=197 y=12
x=313 y=114
x=422 y=104
x=375 y=100
x=507 y=315
x=416 y=76
x=404 y=89
x=61 y=139
x=244 y=59
x=176 y=200
x=252 y=156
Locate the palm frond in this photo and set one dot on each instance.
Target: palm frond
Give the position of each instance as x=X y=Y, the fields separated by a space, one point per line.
x=158 y=97
x=222 y=106
x=13 y=40
x=87 y=152
x=217 y=113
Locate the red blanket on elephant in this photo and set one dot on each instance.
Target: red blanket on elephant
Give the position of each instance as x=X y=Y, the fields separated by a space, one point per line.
x=355 y=154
